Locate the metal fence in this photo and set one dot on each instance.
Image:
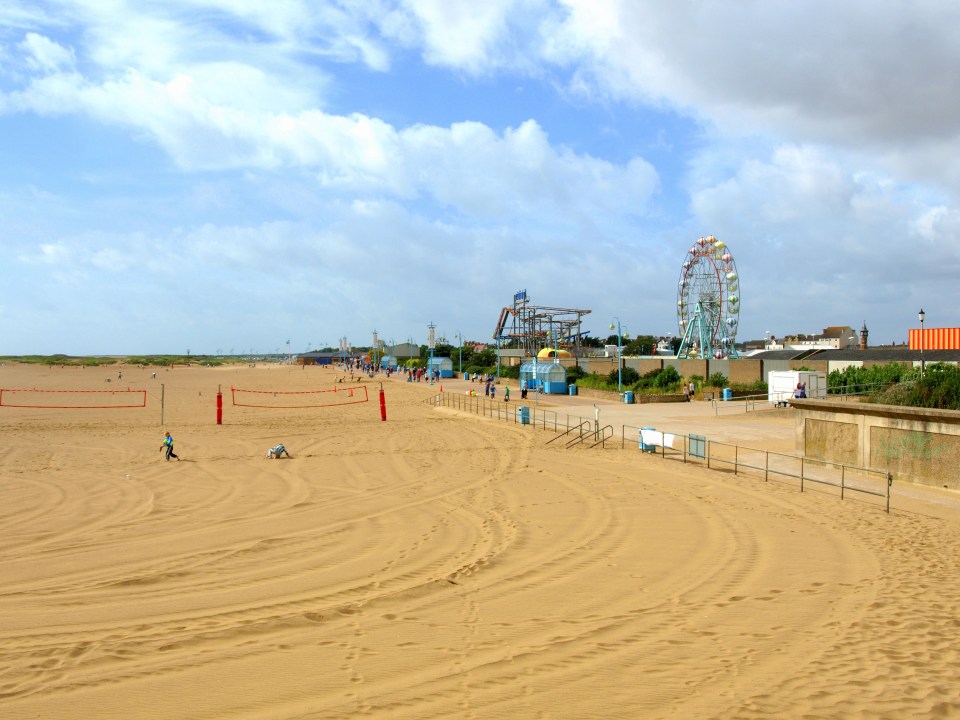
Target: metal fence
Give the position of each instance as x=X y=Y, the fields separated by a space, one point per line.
x=751 y=403
x=769 y=465
x=695 y=449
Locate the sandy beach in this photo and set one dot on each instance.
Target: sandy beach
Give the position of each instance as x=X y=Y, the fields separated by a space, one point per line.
x=442 y=565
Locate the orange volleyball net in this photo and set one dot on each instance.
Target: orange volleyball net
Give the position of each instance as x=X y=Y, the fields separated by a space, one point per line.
x=72 y=399
x=290 y=399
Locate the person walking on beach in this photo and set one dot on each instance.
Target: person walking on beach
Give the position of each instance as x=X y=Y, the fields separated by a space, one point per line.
x=168 y=446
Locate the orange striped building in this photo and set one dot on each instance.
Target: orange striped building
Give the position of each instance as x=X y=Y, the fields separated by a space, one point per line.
x=935 y=339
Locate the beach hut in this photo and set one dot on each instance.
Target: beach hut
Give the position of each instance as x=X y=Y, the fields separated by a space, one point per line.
x=551 y=377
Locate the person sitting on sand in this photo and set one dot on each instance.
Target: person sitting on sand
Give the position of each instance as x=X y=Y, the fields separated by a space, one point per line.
x=276 y=452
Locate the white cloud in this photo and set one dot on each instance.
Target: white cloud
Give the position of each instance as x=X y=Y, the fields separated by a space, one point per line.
x=466 y=166
x=814 y=239
x=826 y=153
x=460 y=35
x=48 y=254
x=43 y=54
x=852 y=74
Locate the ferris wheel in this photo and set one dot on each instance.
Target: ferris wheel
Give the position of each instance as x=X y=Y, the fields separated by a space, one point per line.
x=708 y=301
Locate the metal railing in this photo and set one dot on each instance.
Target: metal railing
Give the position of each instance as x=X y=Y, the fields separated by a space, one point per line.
x=749 y=403
x=717 y=455
x=603 y=436
x=711 y=454
x=761 y=401
x=580 y=437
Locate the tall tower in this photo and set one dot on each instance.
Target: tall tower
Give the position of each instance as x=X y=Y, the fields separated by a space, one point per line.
x=863 y=336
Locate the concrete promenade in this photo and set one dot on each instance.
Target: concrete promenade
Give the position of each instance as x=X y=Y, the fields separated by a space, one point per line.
x=773 y=429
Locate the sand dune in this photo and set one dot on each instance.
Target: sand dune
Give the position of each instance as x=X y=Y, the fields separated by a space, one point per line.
x=439 y=565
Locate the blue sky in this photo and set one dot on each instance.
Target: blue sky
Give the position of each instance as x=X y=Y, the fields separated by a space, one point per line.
x=220 y=175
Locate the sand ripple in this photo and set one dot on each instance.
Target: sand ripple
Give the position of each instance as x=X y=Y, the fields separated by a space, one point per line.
x=442 y=565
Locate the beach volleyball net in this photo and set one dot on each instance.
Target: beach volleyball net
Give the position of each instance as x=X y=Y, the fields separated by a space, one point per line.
x=288 y=399
x=73 y=399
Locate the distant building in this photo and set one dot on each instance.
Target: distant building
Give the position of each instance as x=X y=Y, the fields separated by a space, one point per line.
x=838 y=337
x=320 y=358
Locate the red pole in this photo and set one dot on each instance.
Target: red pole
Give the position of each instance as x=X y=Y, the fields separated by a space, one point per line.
x=219 y=407
x=383 y=405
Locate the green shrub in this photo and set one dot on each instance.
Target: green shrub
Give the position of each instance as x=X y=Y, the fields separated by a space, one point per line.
x=667 y=378
x=854 y=379
x=596 y=382
x=626 y=376
x=717 y=379
x=509 y=371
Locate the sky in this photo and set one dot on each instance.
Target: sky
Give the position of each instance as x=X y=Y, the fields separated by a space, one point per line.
x=234 y=176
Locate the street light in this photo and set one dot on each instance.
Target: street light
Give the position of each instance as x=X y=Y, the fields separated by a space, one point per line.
x=619 y=361
x=921 y=315
x=460 y=349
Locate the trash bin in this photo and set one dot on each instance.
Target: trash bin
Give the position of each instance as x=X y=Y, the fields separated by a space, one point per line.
x=628 y=397
x=466 y=376
x=523 y=415
x=643 y=446
x=727 y=394
x=572 y=389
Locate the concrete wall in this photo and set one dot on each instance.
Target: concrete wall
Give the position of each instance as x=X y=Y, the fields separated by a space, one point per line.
x=915 y=444
x=816 y=365
x=688 y=368
x=643 y=365
x=770 y=366
x=841 y=365
x=597 y=366
x=745 y=371
x=720 y=366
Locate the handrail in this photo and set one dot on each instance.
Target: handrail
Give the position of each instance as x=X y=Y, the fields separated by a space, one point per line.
x=570 y=430
x=583 y=435
x=604 y=436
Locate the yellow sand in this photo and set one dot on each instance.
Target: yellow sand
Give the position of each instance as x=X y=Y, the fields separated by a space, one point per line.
x=440 y=565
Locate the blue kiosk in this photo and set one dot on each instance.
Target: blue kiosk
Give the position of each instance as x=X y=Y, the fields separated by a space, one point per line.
x=549 y=377
x=443 y=364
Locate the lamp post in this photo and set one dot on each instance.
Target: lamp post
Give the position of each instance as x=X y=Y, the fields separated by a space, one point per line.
x=921 y=315
x=460 y=350
x=619 y=350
